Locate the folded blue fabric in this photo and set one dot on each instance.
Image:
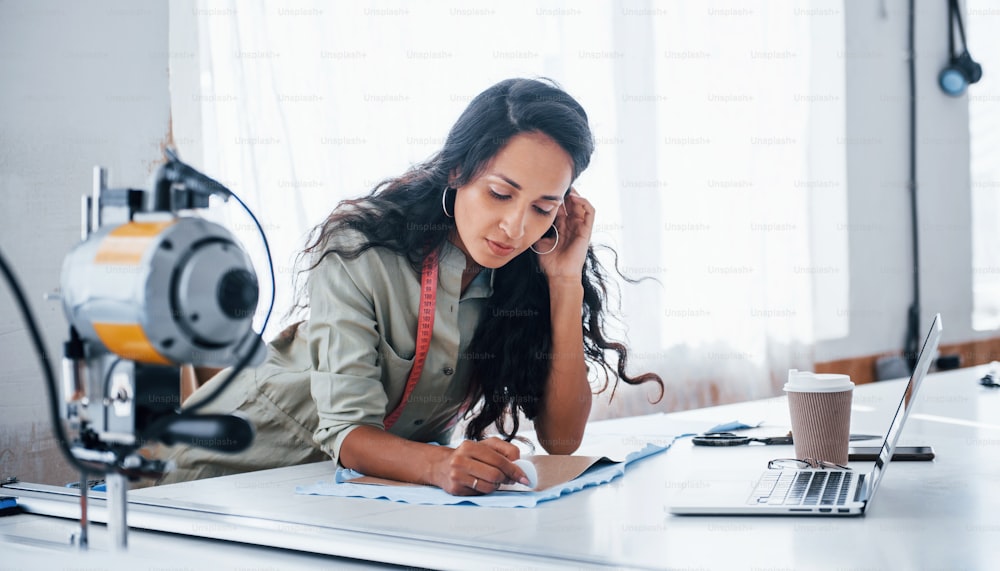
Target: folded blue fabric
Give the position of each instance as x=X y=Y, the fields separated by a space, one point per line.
x=732 y=426
x=429 y=495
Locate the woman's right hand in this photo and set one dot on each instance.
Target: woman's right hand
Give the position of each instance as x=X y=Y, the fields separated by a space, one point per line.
x=475 y=468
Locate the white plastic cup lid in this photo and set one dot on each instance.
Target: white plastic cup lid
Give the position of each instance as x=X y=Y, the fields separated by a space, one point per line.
x=808 y=382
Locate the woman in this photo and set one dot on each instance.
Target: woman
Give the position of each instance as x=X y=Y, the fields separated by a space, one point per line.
x=518 y=312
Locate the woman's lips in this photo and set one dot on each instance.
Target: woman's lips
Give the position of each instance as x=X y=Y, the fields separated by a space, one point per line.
x=499 y=249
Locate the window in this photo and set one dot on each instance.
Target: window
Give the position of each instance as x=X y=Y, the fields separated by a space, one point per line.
x=719 y=169
x=984 y=129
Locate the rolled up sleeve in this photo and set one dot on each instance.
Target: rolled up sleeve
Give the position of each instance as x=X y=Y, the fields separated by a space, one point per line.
x=343 y=342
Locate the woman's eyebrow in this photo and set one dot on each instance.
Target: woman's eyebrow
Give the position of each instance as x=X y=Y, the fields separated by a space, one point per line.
x=511 y=182
x=506 y=179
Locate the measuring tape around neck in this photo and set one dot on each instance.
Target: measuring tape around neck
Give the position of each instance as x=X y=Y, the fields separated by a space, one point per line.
x=425 y=326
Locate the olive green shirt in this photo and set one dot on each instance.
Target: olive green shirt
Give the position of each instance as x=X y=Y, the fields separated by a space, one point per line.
x=348 y=364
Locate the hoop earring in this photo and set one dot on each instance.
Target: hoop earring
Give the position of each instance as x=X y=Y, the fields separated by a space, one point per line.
x=550 y=250
x=444 y=195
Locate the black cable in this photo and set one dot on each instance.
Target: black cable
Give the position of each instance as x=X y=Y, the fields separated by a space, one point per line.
x=50 y=382
x=202 y=183
x=270 y=262
x=178 y=171
x=955 y=16
x=245 y=360
x=912 y=343
x=236 y=370
x=951 y=27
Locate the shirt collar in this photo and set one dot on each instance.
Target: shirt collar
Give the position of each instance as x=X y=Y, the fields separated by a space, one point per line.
x=481 y=285
x=453 y=261
x=451 y=257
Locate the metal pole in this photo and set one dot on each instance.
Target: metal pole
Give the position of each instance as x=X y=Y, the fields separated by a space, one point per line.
x=116 y=500
x=83 y=511
x=100 y=183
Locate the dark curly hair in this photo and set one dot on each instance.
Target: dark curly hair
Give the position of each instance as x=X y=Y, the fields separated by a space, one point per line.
x=404 y=215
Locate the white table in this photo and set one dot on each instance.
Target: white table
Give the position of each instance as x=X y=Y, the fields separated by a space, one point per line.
x=941 y=514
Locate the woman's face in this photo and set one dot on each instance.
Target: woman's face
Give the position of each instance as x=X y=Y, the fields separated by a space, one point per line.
x=514 y=201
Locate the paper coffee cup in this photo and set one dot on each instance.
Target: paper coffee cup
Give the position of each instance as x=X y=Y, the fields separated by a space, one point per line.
x=820 y=408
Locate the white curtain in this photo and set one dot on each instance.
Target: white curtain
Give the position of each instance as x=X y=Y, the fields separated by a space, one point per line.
x=984 y=139
x=719 y=169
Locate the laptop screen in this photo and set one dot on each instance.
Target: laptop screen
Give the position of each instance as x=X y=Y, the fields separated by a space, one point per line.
x=927 y=353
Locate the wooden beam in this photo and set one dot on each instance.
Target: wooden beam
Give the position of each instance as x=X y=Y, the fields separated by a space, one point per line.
x=862 y=369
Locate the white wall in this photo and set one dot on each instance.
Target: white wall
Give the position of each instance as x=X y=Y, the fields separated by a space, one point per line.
x=877 y=169
x=83 y=84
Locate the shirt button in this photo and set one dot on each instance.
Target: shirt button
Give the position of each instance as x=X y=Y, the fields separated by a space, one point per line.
x=448 y=371
x=418 y=422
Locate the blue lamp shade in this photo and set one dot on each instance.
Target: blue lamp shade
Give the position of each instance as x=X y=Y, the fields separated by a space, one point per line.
x=953 y=81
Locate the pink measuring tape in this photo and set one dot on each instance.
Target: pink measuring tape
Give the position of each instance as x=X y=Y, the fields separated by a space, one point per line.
x=425 y=326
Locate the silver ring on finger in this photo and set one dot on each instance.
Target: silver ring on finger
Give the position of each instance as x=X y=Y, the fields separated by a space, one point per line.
x=474 y=484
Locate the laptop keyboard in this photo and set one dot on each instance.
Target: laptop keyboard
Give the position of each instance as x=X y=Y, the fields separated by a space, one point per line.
x=803 y=488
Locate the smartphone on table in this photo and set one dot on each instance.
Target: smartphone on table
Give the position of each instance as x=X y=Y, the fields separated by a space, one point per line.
x=902 y=453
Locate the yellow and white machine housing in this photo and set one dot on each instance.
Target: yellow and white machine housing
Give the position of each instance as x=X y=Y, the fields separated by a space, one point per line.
x=163 y=292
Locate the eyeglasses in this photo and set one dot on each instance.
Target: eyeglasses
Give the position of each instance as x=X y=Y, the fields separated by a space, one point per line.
x=797 y=464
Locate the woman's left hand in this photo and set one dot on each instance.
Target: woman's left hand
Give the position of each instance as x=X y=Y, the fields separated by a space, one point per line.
x=575 y=223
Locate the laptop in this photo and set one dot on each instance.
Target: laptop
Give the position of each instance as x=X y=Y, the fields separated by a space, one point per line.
x=810 y=491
